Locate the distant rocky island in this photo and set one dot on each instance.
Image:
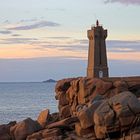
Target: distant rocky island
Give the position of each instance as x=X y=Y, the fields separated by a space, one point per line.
x=50 y=81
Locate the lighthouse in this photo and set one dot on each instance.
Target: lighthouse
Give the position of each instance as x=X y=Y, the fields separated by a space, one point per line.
x=97 y=57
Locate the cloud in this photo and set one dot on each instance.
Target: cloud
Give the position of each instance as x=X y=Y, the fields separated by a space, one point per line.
x=28 y=20
x=15 y=35
x=123 y=46
x=6 y=21
x=117 y=49
x=84 y=41
x=72 y=47
x=137 y=2
x=36 y=25
x=62 y=43
x=39 y=69
x=82 y=45
x=56 y=9
x=59 y=37
x=33 y=47
x=5 y=32
x=18 y=40
x=69 y=44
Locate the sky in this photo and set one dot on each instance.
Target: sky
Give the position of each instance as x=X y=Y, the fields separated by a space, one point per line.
x=42 y=39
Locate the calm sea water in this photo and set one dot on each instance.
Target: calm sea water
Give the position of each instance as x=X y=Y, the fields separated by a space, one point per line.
x=21 y=100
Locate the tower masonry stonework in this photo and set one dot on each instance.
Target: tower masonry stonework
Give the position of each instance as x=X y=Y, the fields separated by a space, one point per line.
x=97 y=57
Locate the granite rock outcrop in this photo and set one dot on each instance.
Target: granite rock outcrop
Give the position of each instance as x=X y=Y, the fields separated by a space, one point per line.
x=89 y=109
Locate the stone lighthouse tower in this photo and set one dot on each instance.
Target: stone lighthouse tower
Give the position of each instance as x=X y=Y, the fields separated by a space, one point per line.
x=97 y=58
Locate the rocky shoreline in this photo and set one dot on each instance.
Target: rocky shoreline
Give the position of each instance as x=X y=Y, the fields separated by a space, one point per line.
x=89 y=109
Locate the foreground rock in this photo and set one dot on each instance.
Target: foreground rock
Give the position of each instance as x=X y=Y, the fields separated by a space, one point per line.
x=5 y=131
x=105 y=108
x=89 y=109
x=43 y=118
x=22 y=129
x=117 y=114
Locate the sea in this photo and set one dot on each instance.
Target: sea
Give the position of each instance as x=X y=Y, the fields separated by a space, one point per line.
x=19 y=101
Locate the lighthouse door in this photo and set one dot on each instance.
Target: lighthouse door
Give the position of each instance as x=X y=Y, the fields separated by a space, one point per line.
x=100 y=74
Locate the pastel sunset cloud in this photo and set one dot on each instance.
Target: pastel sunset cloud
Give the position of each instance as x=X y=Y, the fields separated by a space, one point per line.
x=137 y=2
x=36 y=25
x=5 y=32
x=65 y=46
x=135 y=56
